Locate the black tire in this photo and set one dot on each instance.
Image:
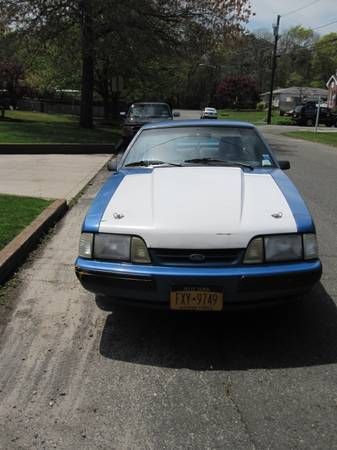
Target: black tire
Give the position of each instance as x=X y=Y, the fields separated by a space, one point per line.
x=309 y=122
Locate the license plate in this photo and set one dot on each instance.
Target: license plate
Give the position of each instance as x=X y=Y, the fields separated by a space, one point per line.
x=196 y=299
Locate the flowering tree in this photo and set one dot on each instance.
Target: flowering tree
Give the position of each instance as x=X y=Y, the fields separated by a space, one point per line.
x=238 y=91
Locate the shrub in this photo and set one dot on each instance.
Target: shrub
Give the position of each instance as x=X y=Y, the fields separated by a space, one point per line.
x=260 y=106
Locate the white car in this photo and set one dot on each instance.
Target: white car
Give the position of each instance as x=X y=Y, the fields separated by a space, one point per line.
x=198 y=215
x=209 y=113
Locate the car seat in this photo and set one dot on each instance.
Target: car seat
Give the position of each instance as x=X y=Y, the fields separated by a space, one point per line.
x=230 y=148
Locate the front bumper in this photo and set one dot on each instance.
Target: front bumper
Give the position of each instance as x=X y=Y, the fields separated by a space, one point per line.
x=151 y=285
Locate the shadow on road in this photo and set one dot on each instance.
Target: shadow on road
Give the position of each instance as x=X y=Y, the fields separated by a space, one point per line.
x=304 y=334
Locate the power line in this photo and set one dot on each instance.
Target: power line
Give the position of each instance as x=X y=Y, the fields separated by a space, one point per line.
x=325 y=25
x=300 y=9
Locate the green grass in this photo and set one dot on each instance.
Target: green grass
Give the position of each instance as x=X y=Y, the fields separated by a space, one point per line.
x=23 y=127
x=16 y=214
x=255 y=117
x=329 y=138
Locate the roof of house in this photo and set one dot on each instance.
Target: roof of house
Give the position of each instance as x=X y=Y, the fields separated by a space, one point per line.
x=296 y=90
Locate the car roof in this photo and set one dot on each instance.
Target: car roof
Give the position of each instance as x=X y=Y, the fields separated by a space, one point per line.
x=199 y=123
x=149 y=103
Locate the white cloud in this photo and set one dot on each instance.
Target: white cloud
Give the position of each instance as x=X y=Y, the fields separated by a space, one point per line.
x=320 y=13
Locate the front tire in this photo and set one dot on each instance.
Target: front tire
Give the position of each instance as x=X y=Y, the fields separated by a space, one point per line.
x=309 y=122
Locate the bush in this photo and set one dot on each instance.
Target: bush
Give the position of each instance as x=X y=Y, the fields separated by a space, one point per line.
x=260 y=106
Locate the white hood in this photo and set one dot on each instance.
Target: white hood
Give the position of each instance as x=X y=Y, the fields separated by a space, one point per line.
x=197 y=207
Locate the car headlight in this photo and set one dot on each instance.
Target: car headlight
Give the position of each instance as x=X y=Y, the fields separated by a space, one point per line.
x=255 y=252
x=310 y=246
x=139 y=251
x=86 y=244
x=281 y=248
x=114 y=247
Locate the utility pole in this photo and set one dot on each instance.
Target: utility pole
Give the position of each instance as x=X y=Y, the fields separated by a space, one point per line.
x=273 y=68
x=317 y=113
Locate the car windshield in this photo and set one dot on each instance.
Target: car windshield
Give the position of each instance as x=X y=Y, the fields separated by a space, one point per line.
x=199 y=145
x=145 y=111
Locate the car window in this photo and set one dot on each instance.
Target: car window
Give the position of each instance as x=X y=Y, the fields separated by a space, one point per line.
x=176 y=145
x=149 y=111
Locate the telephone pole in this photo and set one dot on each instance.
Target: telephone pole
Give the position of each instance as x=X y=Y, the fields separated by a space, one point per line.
x=273 y=68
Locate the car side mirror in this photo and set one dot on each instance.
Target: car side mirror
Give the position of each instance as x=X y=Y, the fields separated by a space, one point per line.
x=176 y=114
x=112 y=164
x=284 y=165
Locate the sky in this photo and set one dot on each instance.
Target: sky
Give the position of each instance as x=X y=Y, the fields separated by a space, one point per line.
x=314 y=14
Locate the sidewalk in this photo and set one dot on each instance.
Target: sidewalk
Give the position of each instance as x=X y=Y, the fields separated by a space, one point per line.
x=49 y=176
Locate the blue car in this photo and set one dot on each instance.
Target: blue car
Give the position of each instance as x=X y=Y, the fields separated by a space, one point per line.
x=198 y=215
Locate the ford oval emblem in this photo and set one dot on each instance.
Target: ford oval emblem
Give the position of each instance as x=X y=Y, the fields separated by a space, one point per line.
x=197 y=257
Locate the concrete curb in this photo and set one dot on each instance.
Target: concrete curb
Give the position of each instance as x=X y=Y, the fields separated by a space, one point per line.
x=14 y=254
x=56 y=149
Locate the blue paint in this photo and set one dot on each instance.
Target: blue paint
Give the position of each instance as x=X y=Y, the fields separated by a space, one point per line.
x=298 y=208
x=238 y=271
x=198 y=123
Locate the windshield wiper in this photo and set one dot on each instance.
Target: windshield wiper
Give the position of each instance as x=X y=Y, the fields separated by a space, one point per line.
x=155 y=162
x=221 y=161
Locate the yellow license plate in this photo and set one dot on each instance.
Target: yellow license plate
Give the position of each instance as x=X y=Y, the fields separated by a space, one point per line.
x=196 y=299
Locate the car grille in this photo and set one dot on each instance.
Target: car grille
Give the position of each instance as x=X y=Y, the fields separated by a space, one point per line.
x=210 y=258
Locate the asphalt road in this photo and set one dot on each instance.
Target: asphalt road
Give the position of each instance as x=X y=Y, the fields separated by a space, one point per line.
x=72 y=376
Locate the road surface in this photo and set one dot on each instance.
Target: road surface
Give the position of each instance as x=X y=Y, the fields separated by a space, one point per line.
x=72 y=376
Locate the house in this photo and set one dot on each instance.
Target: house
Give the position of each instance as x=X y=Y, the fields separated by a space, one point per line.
x=332 y=88
x=288 y=98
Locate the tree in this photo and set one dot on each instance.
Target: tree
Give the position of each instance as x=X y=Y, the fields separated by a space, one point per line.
x=295 y=62
x=163 y=23
x=237 y=92
x=325 y=58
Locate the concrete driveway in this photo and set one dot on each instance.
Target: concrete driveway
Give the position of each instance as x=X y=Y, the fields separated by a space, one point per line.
x=49 y=176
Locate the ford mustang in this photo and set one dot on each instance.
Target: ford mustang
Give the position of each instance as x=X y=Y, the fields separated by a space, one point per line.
x=198 y=215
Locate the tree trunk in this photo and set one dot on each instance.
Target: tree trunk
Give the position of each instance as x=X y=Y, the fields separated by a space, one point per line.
x=87 y=84
x=106 y=96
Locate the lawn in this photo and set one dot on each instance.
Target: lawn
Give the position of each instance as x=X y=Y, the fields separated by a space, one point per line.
x=256 y=117
x=16 y=213
x=329 y=138
x=31 y=127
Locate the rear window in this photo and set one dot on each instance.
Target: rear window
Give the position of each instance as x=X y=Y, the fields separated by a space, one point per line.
x=147 y=111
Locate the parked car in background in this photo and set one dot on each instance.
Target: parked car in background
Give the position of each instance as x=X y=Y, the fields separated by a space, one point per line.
x=141 y=113
x=209 y=113
x=305 y=114
x=198 y=215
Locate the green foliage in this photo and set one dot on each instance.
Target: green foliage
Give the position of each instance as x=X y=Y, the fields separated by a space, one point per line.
x=260 y=106
x=325 y=57
x=322 y=138
x=16 y=214
x=255 y=117
x=55 y=38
